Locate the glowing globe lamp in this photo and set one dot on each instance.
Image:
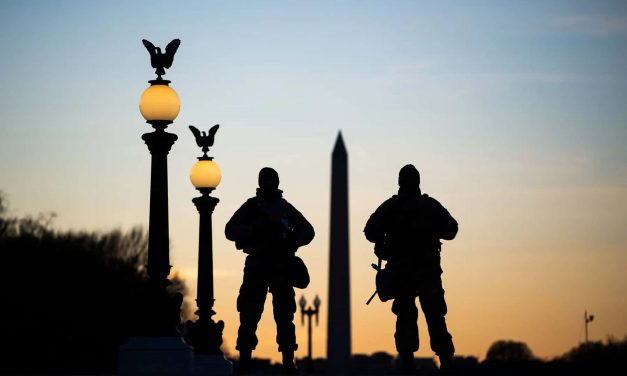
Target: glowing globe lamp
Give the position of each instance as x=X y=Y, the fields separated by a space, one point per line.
x=159 y=103
x=205 y=174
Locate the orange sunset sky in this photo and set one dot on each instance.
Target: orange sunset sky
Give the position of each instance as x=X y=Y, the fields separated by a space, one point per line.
x=514 y=113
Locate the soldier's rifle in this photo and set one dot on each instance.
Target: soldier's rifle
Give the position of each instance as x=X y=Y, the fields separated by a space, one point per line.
x=377 y=268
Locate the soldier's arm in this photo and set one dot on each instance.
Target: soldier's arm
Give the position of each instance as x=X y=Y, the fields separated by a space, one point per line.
x=376 y=226
x=239 y=227
x=302 y=231
x=445 y=225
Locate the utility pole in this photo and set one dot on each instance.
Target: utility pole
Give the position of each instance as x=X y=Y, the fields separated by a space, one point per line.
x=587 y=318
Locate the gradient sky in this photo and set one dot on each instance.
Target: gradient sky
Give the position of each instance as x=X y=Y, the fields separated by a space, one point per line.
x=514 y=112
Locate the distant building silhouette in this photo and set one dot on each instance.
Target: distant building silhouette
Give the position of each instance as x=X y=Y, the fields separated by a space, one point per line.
x=379 y=363
x=339 y=322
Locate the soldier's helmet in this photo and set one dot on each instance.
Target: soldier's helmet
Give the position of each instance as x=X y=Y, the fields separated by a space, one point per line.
x=268 y=178
x=409 y=177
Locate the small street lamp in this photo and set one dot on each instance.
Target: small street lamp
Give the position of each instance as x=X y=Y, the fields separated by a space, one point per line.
x=205 y=335
x=309 y=312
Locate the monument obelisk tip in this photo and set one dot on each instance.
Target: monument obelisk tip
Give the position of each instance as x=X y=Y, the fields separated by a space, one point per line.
x=339 y=144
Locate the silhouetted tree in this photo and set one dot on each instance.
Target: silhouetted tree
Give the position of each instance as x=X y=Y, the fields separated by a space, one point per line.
x=507 y=357
x=68 y=296
x=589 y=356
x=509 y=351
x=515 y=358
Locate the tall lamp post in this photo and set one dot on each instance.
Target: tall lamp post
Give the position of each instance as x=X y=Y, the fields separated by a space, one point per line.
x=160 y=105
x=157 y=347
x=309 y=312
x=205 y=335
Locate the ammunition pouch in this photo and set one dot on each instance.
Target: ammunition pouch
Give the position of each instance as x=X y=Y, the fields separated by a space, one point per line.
x=298 y=273
x=388 y=283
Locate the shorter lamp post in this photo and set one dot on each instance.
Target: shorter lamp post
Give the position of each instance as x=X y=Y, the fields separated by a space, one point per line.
x=205 y=335
x=309 y=312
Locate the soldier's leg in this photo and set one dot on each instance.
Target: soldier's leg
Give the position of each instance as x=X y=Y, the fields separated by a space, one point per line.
x=284 y=307
x=252 y=296
x=406 y=335
x=434 y=307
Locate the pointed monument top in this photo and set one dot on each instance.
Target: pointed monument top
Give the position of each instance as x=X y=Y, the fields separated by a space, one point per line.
x=339 y=144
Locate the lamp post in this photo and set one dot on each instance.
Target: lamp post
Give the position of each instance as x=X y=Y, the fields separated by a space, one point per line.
x=309 y=312
x=157 y=347
x=160 y=105
x=205 y=335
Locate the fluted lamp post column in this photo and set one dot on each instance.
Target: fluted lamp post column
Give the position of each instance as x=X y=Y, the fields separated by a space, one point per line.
x=309 y=312
x=160 y=105
x=157 y=347
x=205 y=335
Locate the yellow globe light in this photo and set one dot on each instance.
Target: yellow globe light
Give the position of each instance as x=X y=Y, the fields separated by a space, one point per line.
x=159 y=103
x=205 y=174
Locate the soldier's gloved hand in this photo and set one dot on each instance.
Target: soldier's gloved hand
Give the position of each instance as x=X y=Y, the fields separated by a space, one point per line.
x=381 y=250
x=269 y=234
x=291 y=243
x=257 y=232
x=276 y=230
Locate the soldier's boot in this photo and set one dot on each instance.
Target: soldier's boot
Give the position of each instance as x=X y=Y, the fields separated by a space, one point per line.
x=245 y=362
x=289 y=368
x=407 y=363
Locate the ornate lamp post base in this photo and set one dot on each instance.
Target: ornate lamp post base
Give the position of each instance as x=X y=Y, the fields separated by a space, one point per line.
x=205 y=335
x=159 y=312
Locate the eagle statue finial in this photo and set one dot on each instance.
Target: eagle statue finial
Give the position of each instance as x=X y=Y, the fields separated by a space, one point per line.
x=204 y=139
x=160 y=60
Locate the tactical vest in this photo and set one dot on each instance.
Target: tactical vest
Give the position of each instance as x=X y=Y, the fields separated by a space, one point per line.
x=409 y=235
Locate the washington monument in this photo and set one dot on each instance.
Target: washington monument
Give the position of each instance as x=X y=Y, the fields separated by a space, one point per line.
x=339 y=321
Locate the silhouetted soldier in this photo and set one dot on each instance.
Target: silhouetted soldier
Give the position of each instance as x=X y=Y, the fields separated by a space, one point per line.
x=406 y=230
x=270 y=230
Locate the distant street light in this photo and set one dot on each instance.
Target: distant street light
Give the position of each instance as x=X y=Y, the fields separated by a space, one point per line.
x=309 y=312
x=205 y=335
x=587 y=319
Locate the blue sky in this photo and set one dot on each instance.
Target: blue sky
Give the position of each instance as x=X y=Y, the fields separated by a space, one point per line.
x=514 y=112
